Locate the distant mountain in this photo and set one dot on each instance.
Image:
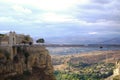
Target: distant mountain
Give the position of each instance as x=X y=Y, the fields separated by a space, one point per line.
x=112 y=41
x=77 y=40
x=82 y=40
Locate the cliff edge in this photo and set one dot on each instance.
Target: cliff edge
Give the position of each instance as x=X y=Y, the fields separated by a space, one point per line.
x=28 y=63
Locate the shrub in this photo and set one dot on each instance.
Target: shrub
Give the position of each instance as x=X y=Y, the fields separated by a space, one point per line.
x=7 y=54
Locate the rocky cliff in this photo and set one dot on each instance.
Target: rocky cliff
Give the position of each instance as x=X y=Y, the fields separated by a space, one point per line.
x=29 y=63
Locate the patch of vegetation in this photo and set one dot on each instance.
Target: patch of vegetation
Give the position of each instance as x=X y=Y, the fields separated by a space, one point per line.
x=85 y=71
x=26 y=54
x=5 y=53
x=17 y=77
x=66 y=76
x=24 y=76
x=79 y=65
x=41 y=40
x=1 y=35
x=27 y=73
x=19 y=49
x=16 y=59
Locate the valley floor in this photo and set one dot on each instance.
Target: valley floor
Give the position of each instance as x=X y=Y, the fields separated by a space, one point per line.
x=84 y=66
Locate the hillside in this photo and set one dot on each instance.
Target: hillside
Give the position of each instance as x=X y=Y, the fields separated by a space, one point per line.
x=96 y=65
x=84 y=40
x=88 y=57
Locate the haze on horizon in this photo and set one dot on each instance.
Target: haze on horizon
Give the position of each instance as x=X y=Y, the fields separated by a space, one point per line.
x=62 y=21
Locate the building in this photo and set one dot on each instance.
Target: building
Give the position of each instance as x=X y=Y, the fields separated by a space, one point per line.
x=12 y=39
x=9 y=41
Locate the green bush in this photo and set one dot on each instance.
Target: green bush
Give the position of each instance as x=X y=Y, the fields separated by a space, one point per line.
x=7 y=54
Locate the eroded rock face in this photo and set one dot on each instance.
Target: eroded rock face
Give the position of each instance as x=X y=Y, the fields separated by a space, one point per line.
x=30 y=63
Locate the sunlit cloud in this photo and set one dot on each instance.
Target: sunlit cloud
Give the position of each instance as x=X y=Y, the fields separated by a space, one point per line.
x=21 y=9
x=93 y=33
x=53 y=17
x=50 y=5
x=7 y=19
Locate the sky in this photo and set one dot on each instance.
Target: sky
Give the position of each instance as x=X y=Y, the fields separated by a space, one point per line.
x=61 y=19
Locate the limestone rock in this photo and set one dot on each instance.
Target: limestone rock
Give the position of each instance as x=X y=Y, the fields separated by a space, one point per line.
x=30 y=63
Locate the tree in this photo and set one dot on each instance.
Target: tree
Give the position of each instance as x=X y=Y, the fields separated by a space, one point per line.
x=27 y=40
x=41 y=40
x=1 y=35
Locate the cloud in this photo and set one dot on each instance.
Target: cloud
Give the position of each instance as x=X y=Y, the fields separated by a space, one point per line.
x=51 y=18
x=4 y=31
x=50 y=5
x=21 y=9
x=102 y=1
x=95 y=11
x=93 y=33
x=7 y=19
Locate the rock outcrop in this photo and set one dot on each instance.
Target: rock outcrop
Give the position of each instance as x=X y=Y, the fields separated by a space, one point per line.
x=29 y=63
x=116 y=72
x=117 y=68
